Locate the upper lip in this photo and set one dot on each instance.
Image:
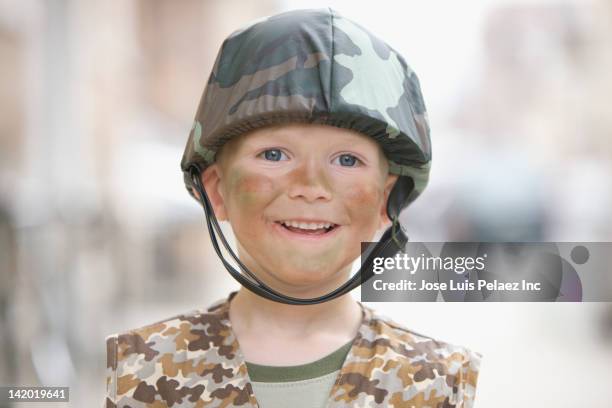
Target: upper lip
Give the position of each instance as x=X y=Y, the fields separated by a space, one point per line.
x=307 y=220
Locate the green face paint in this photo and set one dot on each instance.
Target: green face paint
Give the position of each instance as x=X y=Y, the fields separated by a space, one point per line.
x=307 y=184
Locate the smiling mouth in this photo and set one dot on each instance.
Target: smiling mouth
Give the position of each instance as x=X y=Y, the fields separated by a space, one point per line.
x=308 y=228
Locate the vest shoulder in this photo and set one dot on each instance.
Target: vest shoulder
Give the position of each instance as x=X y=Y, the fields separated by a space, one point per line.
x=186 y=357
x=415 y=345
x=174 y=333
x=412 y=367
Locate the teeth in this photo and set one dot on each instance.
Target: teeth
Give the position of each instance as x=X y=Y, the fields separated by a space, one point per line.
x=306 y=225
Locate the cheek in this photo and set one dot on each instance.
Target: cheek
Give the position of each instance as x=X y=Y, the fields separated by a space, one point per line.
x=248 y=191
x=364 y=197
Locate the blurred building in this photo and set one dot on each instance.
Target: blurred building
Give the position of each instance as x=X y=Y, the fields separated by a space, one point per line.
x=97 y=99
x=542 y=96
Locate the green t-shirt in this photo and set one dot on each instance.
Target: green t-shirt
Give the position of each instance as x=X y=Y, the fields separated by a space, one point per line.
x=300 y=386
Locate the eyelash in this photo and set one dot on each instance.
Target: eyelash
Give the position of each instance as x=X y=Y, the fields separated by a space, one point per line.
x=358 y=161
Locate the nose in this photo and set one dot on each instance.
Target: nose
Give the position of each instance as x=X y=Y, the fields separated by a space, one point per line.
x=309 y=181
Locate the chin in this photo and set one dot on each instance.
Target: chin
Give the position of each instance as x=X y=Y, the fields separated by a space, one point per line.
x=305 y=276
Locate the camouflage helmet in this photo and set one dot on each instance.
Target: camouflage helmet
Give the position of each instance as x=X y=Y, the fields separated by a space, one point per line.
x=314 y=66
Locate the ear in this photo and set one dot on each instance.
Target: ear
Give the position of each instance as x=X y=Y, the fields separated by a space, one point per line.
x=211 y=181
x=384 y=217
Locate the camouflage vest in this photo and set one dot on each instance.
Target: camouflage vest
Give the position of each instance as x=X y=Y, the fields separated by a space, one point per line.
x=194 y=360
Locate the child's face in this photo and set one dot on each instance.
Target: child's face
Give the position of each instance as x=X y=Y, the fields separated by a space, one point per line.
x=304 y=173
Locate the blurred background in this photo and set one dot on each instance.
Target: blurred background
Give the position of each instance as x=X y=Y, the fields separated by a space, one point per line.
x=98 y=235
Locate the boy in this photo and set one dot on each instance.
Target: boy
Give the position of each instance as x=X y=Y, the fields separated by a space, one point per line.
x=311 y=135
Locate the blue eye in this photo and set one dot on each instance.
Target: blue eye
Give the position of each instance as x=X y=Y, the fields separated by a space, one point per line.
x=273 y=154
x=348 y=160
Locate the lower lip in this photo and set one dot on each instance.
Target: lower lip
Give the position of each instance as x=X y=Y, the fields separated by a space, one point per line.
x=305 y=237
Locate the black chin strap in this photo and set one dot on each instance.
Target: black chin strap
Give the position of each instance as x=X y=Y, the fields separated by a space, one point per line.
x=393 y=240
